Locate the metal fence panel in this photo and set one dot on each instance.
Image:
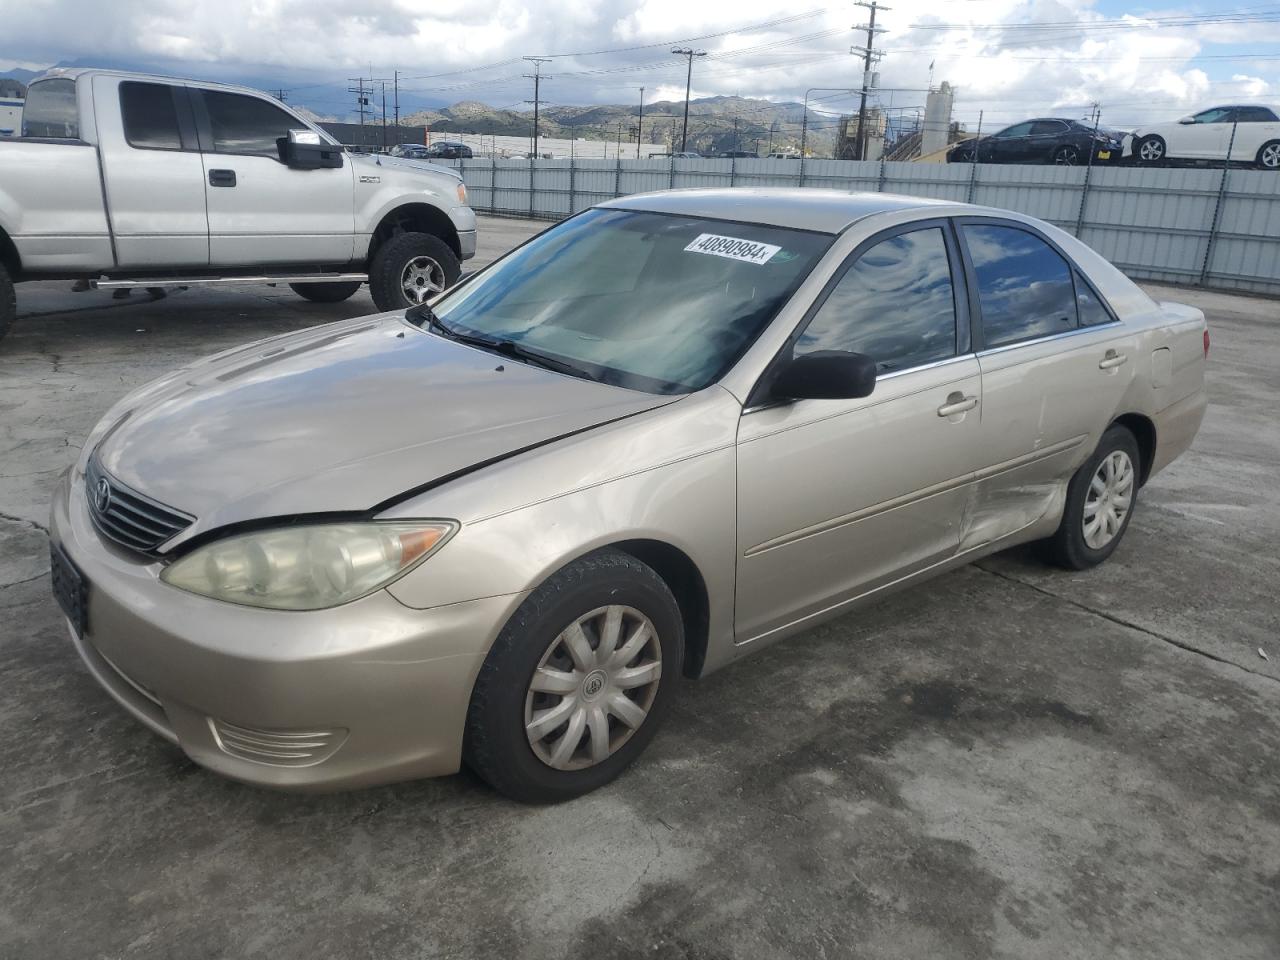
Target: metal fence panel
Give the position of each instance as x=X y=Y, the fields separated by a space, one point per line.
x=1219 y=228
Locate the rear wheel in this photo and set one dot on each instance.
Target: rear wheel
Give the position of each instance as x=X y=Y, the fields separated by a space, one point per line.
x=8 y=301
x=1151 y=150
x=578 y=681
x=1100 y=502
x=410 y=269
x=325 y=292
x=1269 y=156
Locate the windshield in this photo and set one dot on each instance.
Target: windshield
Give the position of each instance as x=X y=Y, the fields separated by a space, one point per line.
x=647 y=301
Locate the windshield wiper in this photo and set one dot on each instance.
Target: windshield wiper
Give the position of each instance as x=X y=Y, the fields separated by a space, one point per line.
x=503 y=346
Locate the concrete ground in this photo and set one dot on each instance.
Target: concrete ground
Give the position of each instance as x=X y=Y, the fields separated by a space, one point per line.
x=1008 y=762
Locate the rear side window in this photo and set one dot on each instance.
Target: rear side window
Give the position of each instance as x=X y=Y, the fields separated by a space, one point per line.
x=50 y=110
x=243 y=124
x=150 y=117
x=895 y=304
x=1092 y=312
x=1050 y=127
x=1255 y=115
x=1024 y=285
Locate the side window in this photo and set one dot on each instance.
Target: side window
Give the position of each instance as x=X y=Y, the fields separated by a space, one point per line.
x=1255 y=115
x=1024 y=285
x=244 y=124
x=50 y=110
x=1020 y=130
x=150 y=118
x=1092 y=312
x=1213 y=115
x=896 y=304
x=1048 y=127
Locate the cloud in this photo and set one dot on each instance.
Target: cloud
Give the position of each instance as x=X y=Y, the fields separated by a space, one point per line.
x=1008 y=59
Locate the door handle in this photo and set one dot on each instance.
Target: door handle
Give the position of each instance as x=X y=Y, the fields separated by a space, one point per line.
x=1111 y=360
x=957 y=403
x=222 y=178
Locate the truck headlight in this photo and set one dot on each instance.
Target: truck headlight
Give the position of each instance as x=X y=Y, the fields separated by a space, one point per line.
x=308 y=567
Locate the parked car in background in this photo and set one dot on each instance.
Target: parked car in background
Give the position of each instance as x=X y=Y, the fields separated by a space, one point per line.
x=737 y=155
x=1046 y=140
x=678 y=154
x=410 y=151
x=1207 y=135
x=448 y=150
x=126 y=180
x=661 y=435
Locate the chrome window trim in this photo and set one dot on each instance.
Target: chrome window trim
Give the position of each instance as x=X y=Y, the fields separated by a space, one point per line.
x=1004 y=347
x=933 y=365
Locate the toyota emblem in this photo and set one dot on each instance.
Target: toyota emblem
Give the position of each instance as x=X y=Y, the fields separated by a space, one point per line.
x=102 y=496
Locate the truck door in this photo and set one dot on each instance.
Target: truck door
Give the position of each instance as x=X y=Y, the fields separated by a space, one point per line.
x=152 y=173
x=262 y=212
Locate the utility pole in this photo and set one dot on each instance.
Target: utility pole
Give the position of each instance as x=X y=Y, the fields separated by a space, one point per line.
x=362 y=102
x=384 y=115
x=397 y=94
x=735 y=134
x=869 y=53
x=688 y=83
x=537 y=79
x=619 y=139
x=640 y=124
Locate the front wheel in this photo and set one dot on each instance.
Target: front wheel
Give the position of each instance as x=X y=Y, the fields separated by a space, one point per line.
x=1100 y=502
x=325 y=292
x=1269 y=156
x=410 y=269
x=1150 y=150
x=8 y=301
x=1066 y=155
x=578 y=681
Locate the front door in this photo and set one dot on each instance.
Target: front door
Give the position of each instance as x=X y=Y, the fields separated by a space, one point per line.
x=1010 y=144
x=261 y=211
x=1055 y=365
x=838 y=497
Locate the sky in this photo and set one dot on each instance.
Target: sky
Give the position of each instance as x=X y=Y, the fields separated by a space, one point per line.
x=1006 y=59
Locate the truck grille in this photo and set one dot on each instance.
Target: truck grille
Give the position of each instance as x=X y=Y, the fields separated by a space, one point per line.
x=126 y=516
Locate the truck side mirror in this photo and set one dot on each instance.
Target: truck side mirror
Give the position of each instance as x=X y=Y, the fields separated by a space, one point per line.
x=307 y=150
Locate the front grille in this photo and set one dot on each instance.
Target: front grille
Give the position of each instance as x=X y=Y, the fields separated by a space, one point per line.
x=281 y=748
x=126 y=516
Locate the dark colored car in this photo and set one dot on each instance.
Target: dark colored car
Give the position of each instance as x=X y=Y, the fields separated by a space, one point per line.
x=411 y=151
x=1046 y=140
x=447 y=150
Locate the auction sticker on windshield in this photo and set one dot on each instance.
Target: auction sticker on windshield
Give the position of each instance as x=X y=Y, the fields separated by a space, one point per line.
x=733 y=248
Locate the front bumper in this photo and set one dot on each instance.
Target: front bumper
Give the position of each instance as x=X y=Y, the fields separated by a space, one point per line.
x=369 y=692
x=467 y=244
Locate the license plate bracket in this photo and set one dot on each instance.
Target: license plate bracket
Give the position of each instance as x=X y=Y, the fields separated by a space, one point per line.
x=70 y=589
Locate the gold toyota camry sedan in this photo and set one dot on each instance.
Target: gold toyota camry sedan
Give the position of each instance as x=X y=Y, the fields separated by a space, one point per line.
x=657 y=437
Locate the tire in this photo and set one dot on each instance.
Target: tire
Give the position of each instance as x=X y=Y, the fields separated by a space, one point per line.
x=1070 y=546
x=518 y=762
x=1066 y=155
x=1269 y=156
x=8 y=301
x=393 y=261
x=325 y=292
x=1150 y=150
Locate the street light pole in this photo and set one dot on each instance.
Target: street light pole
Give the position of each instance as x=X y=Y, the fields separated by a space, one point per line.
x=688 y=83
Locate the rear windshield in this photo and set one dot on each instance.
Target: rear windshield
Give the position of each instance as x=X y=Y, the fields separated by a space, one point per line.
x=50 y=110
x=647 y=301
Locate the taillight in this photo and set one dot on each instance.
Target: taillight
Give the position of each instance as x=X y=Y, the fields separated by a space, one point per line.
x=1206 y=342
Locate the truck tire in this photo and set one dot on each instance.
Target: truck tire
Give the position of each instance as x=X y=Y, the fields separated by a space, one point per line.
x=325 y=292
x=409 y=269
x=8 y=302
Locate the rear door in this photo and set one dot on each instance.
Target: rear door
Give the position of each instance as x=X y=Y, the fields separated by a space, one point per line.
x=839 y=497
x=1255 y=126
x=1045 y=137
x=1055 y=364
x=261 y=211
x=152 y=172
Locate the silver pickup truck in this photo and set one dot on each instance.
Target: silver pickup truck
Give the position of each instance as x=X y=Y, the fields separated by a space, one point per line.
x=125 y=180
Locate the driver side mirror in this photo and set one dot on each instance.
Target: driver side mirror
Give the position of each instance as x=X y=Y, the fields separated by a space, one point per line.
x=826 y=375
x=307 y=150
x=1186 y=120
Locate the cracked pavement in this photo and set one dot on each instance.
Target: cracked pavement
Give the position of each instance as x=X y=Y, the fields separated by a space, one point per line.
x=1010 y=761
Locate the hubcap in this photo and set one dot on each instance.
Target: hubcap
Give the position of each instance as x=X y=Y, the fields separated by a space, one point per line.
x=1151 y=150
x=1109 y=499
x=593 y=688
x=1067 y=156
x=1271 y=156
x=421 y=279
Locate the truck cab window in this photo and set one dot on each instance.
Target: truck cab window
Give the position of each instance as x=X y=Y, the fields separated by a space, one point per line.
x=150 y=118
x=50 y=111
x=242 y=124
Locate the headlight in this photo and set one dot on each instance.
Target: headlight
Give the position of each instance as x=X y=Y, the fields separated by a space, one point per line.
x=308 y=567
x=462 y=193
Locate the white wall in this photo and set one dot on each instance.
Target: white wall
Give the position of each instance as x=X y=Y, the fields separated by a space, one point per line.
x=11 y=117
x=485 y=145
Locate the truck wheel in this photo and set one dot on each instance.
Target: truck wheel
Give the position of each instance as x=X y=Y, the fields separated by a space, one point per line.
x=8 y=302
x=409 y=269
x=325 y=292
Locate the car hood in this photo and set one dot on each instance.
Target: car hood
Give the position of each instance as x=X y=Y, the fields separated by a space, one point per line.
x=340 y=418
x=404 y=163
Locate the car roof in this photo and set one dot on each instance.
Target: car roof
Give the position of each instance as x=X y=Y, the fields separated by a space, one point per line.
x=74 y=73
x=800 y=208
